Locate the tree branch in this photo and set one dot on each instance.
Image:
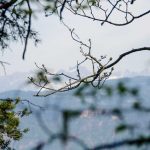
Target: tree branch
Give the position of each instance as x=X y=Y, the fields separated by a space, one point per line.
x=138 y=141
x=120 y=57
x=29 y=29
x=127 y=53
x=7 y=5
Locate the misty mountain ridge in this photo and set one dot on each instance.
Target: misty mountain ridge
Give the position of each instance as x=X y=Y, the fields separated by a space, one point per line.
x=18 y=80
x=98 y=129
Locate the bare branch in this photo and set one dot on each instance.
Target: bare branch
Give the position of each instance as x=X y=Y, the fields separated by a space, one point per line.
x=127 y=53
x=29 y=29
x=95 y=79
x=121 y=56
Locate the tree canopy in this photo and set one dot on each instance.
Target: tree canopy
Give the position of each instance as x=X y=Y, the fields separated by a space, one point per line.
x=10 y=122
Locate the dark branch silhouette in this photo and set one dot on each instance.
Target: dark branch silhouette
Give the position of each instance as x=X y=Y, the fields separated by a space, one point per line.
x=99 y=76
x=126 y=142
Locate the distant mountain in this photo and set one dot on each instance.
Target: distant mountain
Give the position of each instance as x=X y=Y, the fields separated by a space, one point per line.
x=93 y=129
x=15 y=81
x=18 y=80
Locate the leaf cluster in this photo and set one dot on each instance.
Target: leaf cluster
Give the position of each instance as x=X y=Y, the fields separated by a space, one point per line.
x=9 y=122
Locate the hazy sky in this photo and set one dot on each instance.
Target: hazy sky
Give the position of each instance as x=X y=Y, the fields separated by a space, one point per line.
x=58 y=51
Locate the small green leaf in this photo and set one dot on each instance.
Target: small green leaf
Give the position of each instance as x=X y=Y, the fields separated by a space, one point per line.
x=136 y=105
x=26 y=130
x=121 y=88
x=120 y=128
x=134 y=91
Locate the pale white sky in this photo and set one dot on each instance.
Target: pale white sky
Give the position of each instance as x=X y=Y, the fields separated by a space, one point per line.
x=58 y=51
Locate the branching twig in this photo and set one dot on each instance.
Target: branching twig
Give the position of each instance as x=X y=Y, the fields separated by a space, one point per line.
x=99 y=77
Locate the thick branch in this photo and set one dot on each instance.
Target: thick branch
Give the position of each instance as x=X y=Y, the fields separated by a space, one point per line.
x=119 y=58
x=127 y=53
x=29 y=29
x=100 y=75
x=138 y=141
x=7 y=5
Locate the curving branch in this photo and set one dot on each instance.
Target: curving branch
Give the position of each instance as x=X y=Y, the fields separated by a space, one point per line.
x=15 y=20
x=28 y=30
x=127 y=53
x=126 y=142
x=96 y=79
x=122 y=56
x=90 y=10
x=100 y=70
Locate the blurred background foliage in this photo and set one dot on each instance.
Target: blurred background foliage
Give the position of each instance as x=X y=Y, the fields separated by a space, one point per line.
x=10 y=122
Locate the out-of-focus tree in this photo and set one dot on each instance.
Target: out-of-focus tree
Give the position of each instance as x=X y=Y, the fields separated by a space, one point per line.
x=10 y=122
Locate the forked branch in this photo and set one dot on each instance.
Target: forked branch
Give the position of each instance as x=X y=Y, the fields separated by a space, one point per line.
x=100 y=73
